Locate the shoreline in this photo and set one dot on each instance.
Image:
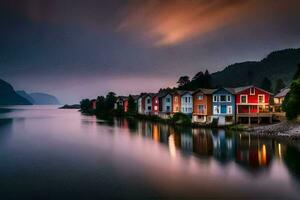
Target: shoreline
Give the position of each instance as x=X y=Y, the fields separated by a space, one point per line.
x=281 y=130
x=287 y=130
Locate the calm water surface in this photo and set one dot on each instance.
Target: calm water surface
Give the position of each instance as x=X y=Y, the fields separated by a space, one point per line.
x=46 y=153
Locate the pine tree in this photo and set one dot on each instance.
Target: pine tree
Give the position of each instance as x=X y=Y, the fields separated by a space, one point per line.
x=279 y=86
x=297 y=74
x=266 y=84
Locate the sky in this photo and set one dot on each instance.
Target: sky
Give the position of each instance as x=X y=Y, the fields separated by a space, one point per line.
x=78 y=49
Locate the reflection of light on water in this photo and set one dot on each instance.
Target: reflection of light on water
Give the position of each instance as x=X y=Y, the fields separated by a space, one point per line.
x=279 y=151
x=155 y=133
x=262 y=156
x=172 y=147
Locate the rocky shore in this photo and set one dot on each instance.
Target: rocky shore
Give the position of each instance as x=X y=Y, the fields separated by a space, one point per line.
x=288 y=130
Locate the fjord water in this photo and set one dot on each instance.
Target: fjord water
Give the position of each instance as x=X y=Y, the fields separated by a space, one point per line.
x=46 y=153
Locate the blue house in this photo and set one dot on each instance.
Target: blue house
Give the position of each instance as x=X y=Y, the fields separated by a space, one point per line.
x=223 y=106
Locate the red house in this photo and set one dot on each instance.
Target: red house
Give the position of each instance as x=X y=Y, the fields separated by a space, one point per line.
x=252 y=101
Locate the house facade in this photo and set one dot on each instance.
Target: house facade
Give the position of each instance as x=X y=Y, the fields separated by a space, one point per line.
x=187 y=102
x=176 y=104
x=165 y=103
x=155 y=104
x=202 y=105
x=279 y=98
x=223 y=106
x=252 y=102
x=141 y=104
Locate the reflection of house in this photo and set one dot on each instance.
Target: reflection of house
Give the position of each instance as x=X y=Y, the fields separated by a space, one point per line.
x=224 y=146
x=224 y=106
x=254 y=152
x=202 y=103
x=186 y=140
x=252 y=103
x=279 y=98
x=202 y=142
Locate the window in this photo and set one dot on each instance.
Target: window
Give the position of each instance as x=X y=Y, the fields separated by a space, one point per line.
x=223 y=98
x=215 y=98
x=252 y=91
x=201 y=108
x=168 y=100
x=216 y=110
x=176 y=99
x=155 y=107
x=148 y=100
x=156 y=101
x=177 y=109
x=168 y=108
x=261 y=98
x=200 y=97
x=228 y=98
x=149 y=107
x=229 y=109
x=244 y=99
x=185 y=99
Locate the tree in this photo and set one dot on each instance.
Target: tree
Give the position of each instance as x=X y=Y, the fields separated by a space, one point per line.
x=291 y=103
x=207 y=80
x=183 y=80
x=85 y=105
x=199 y=75
x=266 y=84
x=100 y=104
x=297 y=74
x=250 y=76
x=132 y=107
x=279 y=86
x=110 y=101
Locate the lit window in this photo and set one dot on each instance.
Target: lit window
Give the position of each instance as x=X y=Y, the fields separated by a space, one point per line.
x=155 y=107
x=229 y=109
x=261 y=98
x=200 y=97
x=176 y=99
x=216 y=110
x=201 y=108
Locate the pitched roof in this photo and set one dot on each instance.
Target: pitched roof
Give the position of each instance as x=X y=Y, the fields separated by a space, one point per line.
x=205 y=91
x=283 y=92
x=240 y=89
x=230 y=90
x=183 y=92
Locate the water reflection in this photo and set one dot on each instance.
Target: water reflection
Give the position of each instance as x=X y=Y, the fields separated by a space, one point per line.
x=251 y=152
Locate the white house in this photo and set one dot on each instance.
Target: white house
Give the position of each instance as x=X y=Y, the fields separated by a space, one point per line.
x=165 y=103
x=187 y=102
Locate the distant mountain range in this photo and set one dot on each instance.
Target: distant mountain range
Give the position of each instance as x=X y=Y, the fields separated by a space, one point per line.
x=8 y=96
x=277 y=65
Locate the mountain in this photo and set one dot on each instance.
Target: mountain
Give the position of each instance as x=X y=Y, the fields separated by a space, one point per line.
x=44 y=99
x=8 y=95
x=26 y=96
x=277 y=65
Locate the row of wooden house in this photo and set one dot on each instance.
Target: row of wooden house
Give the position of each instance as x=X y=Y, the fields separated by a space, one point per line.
x=226 y=105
